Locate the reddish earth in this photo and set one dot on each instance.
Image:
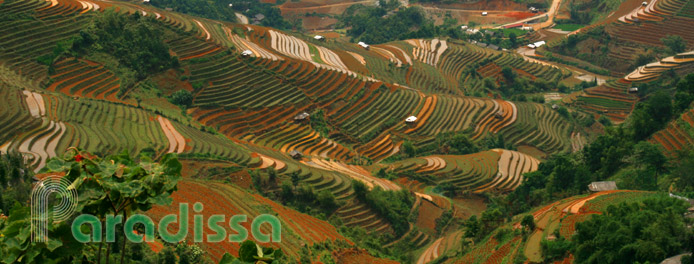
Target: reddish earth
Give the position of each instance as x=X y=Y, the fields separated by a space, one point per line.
x=466 y=207
x=220 y=199
x=358 y=256
x=496 y=5
x=320 y=7
x=532 y=151
x=428 y=213
x=317 y=23
x=519 y=15
x=170 y=81
x=201 y=169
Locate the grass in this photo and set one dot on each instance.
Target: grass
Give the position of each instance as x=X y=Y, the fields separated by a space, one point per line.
x=518 y=32
x=569 y=27
x=315 y=55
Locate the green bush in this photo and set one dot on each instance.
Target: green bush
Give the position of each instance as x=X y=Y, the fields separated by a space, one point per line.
x=182 y=98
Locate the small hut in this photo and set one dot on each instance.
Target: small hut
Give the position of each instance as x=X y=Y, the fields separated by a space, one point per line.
x=295 y=154
x=303 y=116
x=602 y=186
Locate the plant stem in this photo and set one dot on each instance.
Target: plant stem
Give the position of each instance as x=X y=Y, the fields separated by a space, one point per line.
x=101 y=244
x=122 y=252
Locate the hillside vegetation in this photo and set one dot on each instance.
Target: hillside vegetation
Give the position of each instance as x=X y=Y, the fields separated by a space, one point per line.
x=429 y=144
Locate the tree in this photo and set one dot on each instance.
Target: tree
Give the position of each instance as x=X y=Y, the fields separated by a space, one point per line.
x=513 y=38
x=181 y=98
x=508 y=73
x=409 y=148
x=675 y=43
x=660 y=107
x=295 y=178
x=327 y=201
x=135 y=41
x=462 y=144
x=528 y=222
x=633 y=232
x=685 y=93
x=682 y=172
x=491 y=219
x=472 y=227
x=649 y=156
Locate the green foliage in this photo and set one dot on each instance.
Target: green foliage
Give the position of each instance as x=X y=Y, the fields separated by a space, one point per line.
x=443 y=220
x=319 y=123
x=633 y=232
x=528 y=222
x=250 y=252
x=11 y=16
x=556 y=249
x=373 y=26
x=682 y=172
x=182 y=98
x=652 y=115
x=59 y=49
x=562 y=111
x=16 y=245
x=605 y=121
x=220 y=10
x=394 y=206
x=136 y=42
x=409 y=149
x=327 y=201
x=15 y=181
x=684 y=95
x=114 y=185
x=675 y=43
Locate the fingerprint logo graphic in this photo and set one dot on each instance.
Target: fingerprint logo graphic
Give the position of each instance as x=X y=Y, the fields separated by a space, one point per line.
x=40 y=199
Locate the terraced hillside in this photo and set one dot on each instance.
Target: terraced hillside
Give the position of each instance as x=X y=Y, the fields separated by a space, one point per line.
x=297 y=229
x=613 y=99
x=561 y=215
x=336 y=103
x=677 y=136
x=658 y=19
x=495 y=169
x=630 y=32
x=54 y=122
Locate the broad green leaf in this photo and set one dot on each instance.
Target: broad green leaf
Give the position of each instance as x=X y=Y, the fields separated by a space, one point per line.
x=247 y=251
x=227 y=259
x=52 y=244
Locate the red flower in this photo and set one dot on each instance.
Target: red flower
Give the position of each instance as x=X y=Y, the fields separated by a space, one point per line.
x=78 y=157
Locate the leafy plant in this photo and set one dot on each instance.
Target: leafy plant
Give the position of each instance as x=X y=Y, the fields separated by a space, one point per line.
x=115 y=185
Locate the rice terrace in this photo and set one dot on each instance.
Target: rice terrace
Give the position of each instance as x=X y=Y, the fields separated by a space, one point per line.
x=346 y=131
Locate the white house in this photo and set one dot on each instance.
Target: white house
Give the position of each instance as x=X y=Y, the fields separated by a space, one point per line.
x=528 y=28
x=463 y=27
x=363 y=45
x=484 y=13
x=644 y=3
x=537 y=44
x=471 y=31
x=633 y=89
x=318 y=37
x=246 y=53
x=411 y=119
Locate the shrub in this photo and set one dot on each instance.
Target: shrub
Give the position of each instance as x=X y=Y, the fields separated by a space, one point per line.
x=182 y=98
